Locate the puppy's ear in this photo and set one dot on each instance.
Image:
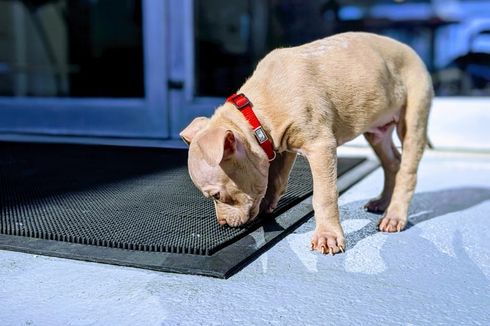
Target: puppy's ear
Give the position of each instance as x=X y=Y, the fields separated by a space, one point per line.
x=193 y=128
x=217 y=145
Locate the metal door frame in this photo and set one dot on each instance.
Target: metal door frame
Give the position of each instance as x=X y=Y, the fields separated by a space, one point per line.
x=184 y=104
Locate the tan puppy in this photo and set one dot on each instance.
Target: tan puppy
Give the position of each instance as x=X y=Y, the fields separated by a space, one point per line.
x=311 y=99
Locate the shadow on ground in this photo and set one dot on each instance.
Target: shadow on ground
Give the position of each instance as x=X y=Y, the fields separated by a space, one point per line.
x=424 y=206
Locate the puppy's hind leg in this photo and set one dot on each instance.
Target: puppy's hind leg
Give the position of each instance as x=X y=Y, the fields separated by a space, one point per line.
x=390 y=158
x=412 y=130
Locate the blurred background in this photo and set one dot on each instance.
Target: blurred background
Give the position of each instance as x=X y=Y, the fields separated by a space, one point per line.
x=142 y=69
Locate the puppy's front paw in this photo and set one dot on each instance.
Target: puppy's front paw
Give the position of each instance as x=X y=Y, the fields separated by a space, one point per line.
x=377 y=205
x=392 y=222
x=270 y=201
x=328 y=241
x=268 y=206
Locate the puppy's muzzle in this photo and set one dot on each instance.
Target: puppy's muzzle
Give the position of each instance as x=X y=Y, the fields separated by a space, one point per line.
x=235 y=216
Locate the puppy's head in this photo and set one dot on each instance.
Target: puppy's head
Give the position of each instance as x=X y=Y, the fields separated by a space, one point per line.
x=222 y=167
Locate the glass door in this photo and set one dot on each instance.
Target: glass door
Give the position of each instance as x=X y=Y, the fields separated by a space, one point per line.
x=219 y=43
x=84 y=68
x=216 y=44
x=210 y=57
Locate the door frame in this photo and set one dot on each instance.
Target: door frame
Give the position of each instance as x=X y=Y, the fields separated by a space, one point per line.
x=184 y=104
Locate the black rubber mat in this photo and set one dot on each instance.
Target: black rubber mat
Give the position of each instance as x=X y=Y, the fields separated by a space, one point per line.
x=130 y=199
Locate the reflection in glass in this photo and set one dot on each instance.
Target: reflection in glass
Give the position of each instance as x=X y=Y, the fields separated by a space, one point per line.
x=76 y=48
x=452 y=37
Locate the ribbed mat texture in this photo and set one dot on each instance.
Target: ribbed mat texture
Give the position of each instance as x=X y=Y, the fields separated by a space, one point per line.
x=119 y=197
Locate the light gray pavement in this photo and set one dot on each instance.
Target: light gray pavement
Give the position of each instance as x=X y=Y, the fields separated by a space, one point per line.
x=435 y=272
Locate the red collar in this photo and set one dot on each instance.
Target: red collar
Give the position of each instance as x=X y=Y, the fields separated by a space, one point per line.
x=243 y=105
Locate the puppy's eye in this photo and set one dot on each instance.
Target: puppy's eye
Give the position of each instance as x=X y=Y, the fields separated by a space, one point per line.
x=216 y=196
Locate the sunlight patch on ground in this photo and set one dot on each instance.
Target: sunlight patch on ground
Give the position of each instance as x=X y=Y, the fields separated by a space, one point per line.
x=465 y=222
x=365 y=257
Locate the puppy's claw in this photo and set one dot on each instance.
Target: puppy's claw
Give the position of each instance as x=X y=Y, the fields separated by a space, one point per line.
x=341 y=248
x=330 y=251
x=312 y=246
x=324 y=250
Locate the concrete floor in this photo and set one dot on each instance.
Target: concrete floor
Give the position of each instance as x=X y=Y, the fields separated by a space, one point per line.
x=435 y=272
